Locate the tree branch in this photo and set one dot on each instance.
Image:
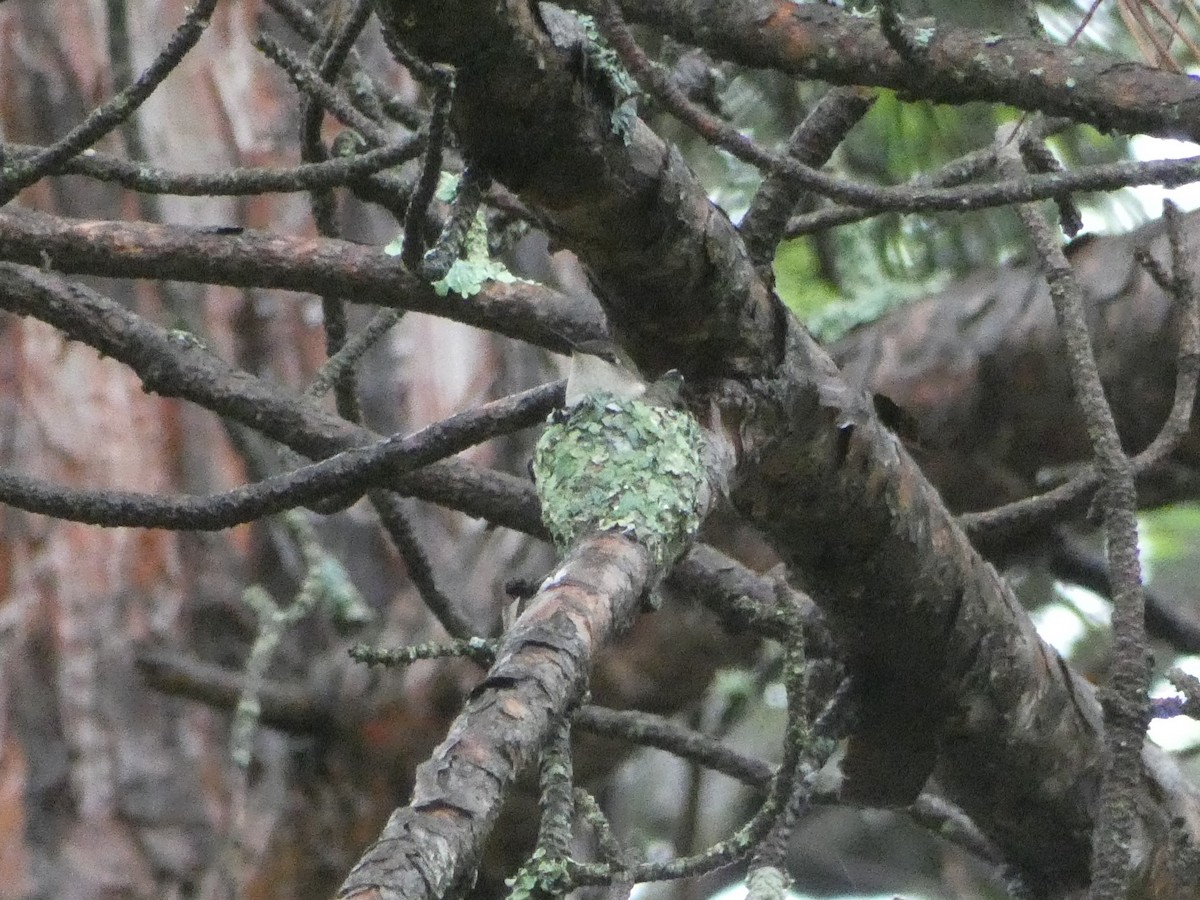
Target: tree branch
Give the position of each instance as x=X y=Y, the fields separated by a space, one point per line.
x=947 y=667
x=540 y=672
x=360 y=273
x=174 y=364
x=958 y=65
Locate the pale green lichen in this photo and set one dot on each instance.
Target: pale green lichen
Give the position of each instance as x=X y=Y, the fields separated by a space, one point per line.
x=923 y=37
x=542 y=876
x=476 y=267
x=184 y=338
x=601 y=59
x=622 y=465
x=447 y=186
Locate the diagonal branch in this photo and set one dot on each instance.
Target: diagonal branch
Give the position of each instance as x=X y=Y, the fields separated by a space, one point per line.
x=174 y=364
x=110 y=115
x=539 y=674
x=948 y=669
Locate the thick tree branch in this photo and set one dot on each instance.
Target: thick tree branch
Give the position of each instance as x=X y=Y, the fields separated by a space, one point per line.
x=540 y=671
x=912 y=197
x=980 y=367
x=948 y=668
x=957 y=65
x=360 y=273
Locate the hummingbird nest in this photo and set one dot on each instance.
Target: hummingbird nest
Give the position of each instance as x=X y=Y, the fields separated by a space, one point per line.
x=624 y=465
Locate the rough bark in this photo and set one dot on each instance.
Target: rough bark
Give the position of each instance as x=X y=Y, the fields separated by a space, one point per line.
x=1015 y=734
x=916 y=602
x=980 y=367
x=251 y=258
x=952 y=64
x=433 y=845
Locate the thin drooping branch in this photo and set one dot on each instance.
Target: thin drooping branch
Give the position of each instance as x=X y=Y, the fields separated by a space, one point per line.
x=360 y=273
x=648 y=730
x=788 y=785
x=394 y=518
x=349 y=354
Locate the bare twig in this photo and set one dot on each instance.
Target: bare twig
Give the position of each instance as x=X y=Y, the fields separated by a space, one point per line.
x=650 y=730
x=237 y=182
x=1125 y=702
x=110 y=115
x=812 y=143
x=309 y=80
x=349 y=472
x=431 y=168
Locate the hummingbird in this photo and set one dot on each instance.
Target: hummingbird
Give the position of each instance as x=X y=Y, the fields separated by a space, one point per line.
x=603 y=367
